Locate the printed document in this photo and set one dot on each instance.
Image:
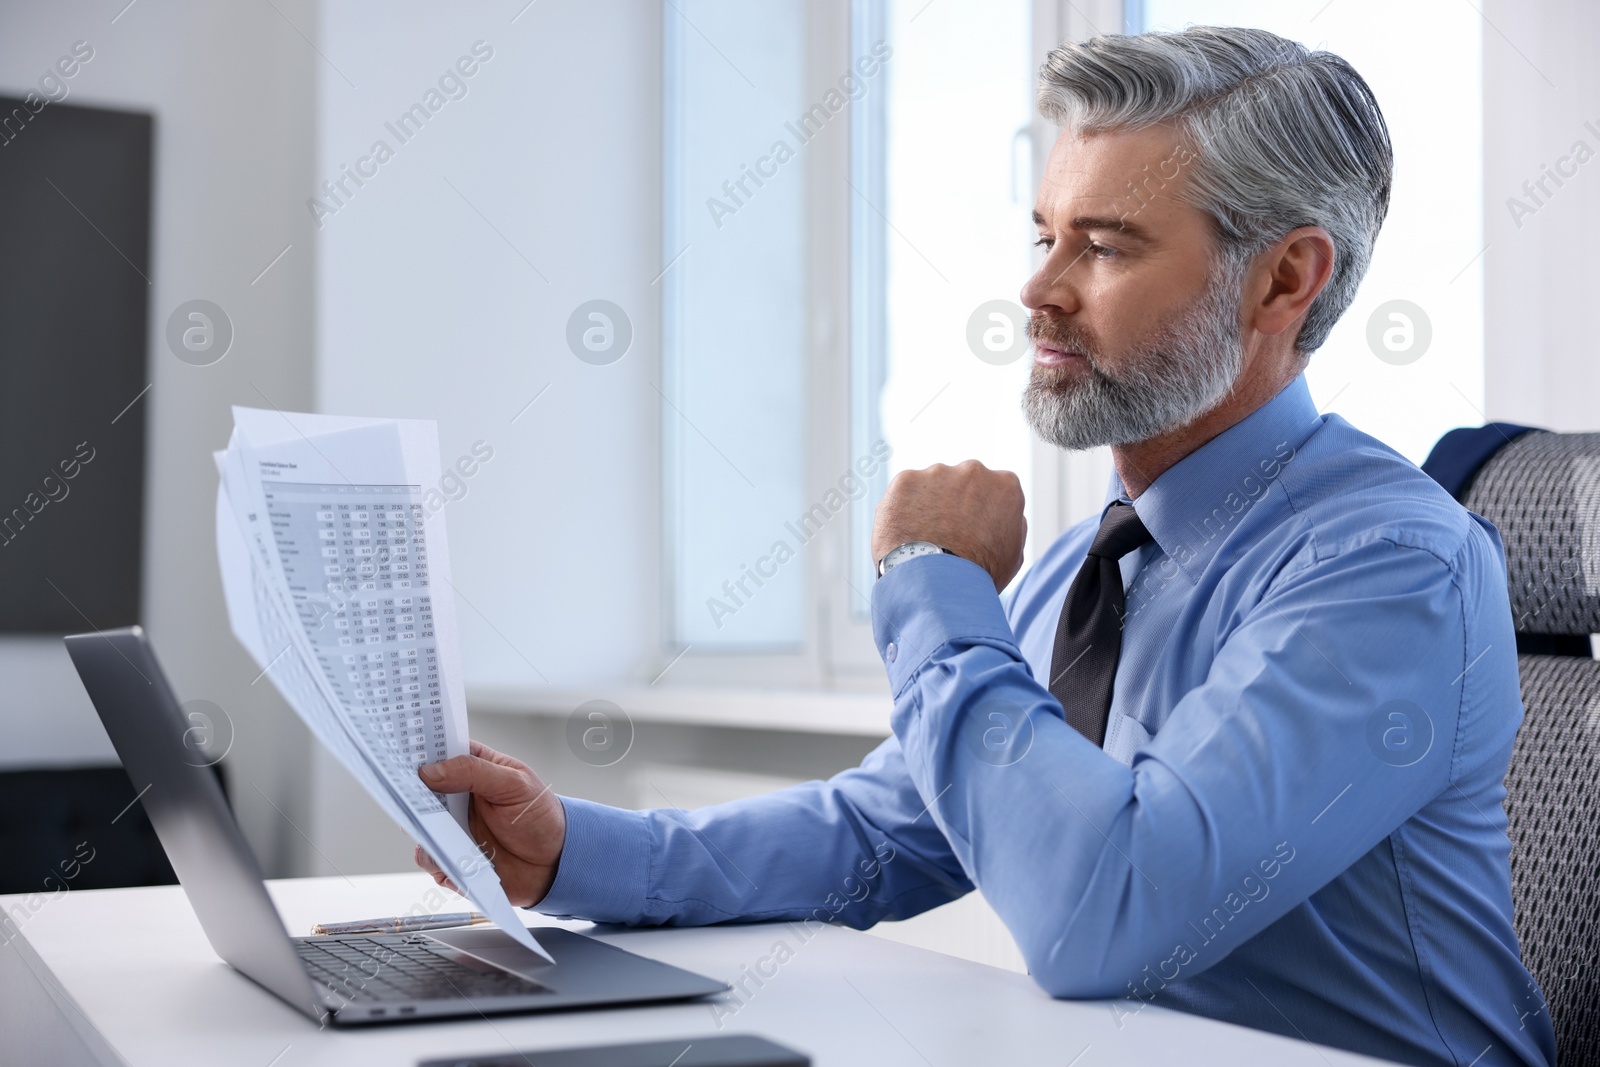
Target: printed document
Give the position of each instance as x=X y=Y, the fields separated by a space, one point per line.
x=337 y=578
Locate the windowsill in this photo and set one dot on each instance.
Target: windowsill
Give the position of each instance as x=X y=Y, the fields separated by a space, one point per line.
x=849 y=714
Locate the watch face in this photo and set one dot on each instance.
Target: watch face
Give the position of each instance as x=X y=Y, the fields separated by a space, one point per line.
x=910 y=550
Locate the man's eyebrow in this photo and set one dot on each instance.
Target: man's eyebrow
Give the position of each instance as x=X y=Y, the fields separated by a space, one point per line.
x=1118 y=223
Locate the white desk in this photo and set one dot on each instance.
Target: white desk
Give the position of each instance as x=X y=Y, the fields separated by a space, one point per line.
x=125 y=976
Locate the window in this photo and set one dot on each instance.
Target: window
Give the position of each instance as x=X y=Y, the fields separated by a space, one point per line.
x=942 y=190
x=734 y=323
x=1405 y=363
x=860 y=176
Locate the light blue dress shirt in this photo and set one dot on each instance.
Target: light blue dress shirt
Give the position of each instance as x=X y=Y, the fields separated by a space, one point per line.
x=1295 y=823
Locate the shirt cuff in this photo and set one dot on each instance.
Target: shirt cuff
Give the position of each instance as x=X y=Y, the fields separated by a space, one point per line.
x=604 y=869
x=927 y=602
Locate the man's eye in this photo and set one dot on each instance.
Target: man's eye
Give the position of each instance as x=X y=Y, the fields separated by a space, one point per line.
x=1100 y=251
x=1045 y=243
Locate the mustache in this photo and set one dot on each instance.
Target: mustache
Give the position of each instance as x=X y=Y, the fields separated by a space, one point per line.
x=1063 y=335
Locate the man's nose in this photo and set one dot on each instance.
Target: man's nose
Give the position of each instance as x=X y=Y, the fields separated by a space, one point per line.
x=1050 y=288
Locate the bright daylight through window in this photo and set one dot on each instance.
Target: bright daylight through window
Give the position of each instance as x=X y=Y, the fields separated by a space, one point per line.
x=942 y=193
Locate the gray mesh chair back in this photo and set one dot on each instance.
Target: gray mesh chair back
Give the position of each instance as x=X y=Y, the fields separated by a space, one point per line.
x=1543 y=493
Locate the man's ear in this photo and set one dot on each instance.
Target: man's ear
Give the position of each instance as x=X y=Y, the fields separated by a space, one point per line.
x=1294 y=271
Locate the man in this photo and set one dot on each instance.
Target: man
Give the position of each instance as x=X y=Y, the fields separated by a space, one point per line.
x=1236 y=745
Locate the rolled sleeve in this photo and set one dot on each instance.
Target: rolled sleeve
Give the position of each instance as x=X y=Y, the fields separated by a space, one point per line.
x=603 y=874
x=928 y=602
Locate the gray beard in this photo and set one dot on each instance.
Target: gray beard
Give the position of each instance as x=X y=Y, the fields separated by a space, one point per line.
x=1164 y=382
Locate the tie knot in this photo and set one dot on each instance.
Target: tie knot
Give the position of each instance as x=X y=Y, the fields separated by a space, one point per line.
x=1121 y=531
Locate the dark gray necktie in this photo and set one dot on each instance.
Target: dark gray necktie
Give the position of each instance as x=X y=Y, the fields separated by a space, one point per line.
x=1089 y=633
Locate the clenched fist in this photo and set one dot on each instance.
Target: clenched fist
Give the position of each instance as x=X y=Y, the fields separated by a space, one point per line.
x=969 y=509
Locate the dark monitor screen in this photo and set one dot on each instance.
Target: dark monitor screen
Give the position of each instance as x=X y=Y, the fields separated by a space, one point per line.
x=74 y=294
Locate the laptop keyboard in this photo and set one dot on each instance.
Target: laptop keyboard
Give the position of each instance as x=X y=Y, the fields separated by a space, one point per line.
x=368 y=969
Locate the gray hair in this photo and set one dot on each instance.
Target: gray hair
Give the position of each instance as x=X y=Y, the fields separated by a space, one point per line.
x=1279 y=137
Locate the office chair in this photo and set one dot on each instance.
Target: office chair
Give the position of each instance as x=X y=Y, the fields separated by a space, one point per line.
x=1542 y=490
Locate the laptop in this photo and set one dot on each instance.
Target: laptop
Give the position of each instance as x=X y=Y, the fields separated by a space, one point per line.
x=343 y=980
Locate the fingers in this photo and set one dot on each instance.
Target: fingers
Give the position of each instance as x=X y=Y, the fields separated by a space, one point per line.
x=425 y=861
x=483 y=751
x=495 y=783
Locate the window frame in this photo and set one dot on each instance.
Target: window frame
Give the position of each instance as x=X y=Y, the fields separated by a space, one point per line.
x=837 y=651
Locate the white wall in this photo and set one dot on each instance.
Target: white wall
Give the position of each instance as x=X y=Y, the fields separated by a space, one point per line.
x=232 y=89
x=445 y=287
x=1541 y=85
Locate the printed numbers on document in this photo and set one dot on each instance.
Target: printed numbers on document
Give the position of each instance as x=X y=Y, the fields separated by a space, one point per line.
x=357 y=566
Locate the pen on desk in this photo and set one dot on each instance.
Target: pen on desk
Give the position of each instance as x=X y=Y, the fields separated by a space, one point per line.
x=401 y=924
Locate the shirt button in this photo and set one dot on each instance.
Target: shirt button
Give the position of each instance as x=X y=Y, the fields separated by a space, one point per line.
x=890 y=651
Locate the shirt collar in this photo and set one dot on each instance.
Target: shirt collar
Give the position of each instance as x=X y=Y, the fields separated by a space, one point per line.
x=1200 y=498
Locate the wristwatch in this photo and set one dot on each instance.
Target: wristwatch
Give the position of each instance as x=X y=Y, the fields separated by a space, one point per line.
x=909 y=550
